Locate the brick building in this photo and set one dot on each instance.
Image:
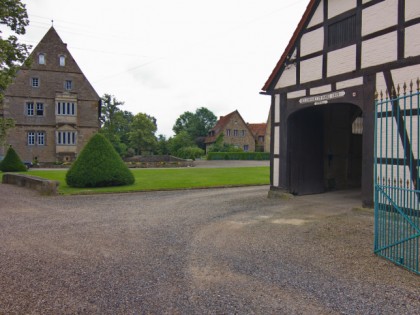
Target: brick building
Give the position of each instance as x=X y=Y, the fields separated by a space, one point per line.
x=259 y=132
x=55 y=108
x=235 y=131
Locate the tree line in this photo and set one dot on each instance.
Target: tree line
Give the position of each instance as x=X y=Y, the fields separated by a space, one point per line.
x=136 y=134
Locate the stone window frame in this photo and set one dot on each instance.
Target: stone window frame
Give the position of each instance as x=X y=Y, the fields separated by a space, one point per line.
x=63 y=108
x=62 y=60
x=35 y=82
x=235 y=132
x=41 y=59
x=228 y=132
x=66 y=137
x=68 y=85
x=36 y=138
x=246 y=147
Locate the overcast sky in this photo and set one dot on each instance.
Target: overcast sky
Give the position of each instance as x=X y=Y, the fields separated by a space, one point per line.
x=165 y=57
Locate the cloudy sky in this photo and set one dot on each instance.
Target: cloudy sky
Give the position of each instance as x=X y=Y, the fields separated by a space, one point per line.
x=165 y=57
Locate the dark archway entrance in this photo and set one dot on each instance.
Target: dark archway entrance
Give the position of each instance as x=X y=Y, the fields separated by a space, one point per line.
x=324 y=149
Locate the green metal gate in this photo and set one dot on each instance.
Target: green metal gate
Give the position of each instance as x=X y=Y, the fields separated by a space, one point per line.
x=397 y=167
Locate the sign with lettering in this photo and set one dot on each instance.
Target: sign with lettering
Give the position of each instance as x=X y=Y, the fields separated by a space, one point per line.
x=322 y=99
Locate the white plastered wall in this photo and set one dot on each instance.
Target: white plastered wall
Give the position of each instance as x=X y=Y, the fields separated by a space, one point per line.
x=379 y=50
x=412 y=41
x=339 y=6
x=312 y=42
x=341 y=60
x=379 y=16
x=318 y=16
x=311 y=69
x=412 y=9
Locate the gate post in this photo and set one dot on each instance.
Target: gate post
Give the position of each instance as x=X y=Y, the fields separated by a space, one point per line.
x=369 y=82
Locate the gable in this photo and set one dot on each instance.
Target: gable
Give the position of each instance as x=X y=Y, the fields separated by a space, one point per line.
x=347 y=38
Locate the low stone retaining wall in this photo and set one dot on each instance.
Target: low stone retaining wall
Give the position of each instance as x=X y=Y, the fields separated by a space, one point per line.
x=43 y=186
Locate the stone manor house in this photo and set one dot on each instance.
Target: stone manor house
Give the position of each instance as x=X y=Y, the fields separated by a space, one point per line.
x=55 y=108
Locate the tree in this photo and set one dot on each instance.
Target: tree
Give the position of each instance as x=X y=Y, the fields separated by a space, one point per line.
x=99 y=165
x=162 y=145
x=182 y=139
x=197 y=124
x=12 y=53
x=12 y=162
x=115 y=123
x=142 y=134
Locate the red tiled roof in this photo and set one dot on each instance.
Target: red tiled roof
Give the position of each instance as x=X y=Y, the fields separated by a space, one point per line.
x=290 y=46
x=220 y=126
x=258 y=129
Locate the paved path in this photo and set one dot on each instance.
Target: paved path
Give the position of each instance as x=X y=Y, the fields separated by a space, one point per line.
x=216 y=251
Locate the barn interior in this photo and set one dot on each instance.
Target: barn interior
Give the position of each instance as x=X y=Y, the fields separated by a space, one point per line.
x=325 y=148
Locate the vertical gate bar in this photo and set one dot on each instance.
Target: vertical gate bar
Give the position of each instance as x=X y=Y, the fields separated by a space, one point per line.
x=375 y=176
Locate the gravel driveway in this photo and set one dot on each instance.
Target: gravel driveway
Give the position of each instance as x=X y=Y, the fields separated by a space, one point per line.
x=216 y=251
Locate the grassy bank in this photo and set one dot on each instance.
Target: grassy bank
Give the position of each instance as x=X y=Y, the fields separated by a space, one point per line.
x=170 y=179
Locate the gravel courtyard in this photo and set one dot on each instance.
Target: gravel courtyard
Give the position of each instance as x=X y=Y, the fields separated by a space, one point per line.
x=217 y=251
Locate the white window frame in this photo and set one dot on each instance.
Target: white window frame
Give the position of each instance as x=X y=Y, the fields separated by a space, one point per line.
x=66 y=137
x=35 y=82
x=66 y=108
x=62 y=60
x=228 y=132
x=68 y=85
x=30 y=110
x=39 y=109
x=40 y=138
x=235 y=132
x=41 y=59
x=31 y=138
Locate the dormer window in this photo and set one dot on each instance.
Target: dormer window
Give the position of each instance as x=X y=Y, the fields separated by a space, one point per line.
x=62 y=61
x=41 y=59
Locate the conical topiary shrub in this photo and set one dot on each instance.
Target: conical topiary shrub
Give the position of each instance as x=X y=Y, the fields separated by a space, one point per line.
x=12 y=162
x=99 y=165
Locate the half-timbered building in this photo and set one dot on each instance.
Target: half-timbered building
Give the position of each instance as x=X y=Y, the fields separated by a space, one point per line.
x=323 y=92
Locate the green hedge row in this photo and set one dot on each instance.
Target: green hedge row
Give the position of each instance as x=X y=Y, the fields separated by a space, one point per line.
x=248 y=156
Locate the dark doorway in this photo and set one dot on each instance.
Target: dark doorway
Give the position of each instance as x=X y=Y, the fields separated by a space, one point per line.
x=324 y=149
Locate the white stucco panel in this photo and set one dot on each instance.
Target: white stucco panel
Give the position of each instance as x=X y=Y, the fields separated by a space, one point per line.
x=379 y=50
x=277 y=140
x=321 y=89
x=277 y=108
x=379 y=16
x=341 y=61
x=288 y=77
x=276 y=172
x=318 y=16
x=296 y=94
x=412 y=40
x=380 y=83
x=312 y=42
x=412 y=9
x=339 y=6
x=349 y=83
x=311 y=69
x=406 y=75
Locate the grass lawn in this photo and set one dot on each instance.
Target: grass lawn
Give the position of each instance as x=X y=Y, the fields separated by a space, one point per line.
x=170 y=179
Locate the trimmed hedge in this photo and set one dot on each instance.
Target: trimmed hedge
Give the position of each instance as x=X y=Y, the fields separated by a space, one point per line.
x=12 y=162
x=99 y=165
x=248 y=156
